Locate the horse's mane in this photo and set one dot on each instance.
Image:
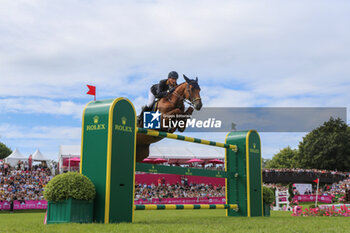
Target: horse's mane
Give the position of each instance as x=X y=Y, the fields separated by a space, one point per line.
x=178 y=85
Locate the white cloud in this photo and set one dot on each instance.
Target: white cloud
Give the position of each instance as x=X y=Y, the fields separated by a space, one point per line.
x=45 y=138
x=41 y=106
x=50 y=49
x=217 y=96
x=8 y=131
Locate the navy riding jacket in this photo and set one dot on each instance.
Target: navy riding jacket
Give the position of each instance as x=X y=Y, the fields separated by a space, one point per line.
x=160 y=90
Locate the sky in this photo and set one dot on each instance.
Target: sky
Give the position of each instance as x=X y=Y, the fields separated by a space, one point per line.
x=245 y=54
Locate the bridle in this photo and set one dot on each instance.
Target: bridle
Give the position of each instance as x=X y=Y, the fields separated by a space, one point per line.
x=189 y=101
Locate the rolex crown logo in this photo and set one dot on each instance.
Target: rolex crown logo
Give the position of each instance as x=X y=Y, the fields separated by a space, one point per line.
x=254 y=145
x=96 y=118
x=123 y=120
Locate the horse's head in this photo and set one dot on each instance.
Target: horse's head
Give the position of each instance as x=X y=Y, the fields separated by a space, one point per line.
x=192 y=92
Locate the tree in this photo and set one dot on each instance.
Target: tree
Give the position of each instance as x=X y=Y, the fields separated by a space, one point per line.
x=264 y=162
x=285 y=158
x=4 y=151
x=326 y=147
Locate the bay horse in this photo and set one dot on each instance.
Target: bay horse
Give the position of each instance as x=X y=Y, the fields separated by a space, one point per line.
x=171 y=105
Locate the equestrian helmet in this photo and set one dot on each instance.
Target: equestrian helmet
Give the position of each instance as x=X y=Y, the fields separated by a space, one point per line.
x=173 y=74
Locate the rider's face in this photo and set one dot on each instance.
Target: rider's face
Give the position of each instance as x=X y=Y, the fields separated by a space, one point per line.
x=172 y=81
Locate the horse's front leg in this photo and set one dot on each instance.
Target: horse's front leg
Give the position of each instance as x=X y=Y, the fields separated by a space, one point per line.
x=169 y=120
x=187 y=114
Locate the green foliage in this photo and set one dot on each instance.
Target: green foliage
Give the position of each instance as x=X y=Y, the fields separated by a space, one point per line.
x=4 y=151
x=264 y=162
x=286 y=158
x=290 y=191
x=326 y=147
x=268 y=195
x=71 y=184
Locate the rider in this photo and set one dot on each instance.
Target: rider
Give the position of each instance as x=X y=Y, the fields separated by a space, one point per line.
x=160 y=90
x=163 y=88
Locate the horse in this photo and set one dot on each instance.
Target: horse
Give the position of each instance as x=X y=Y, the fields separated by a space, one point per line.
x=172 y=109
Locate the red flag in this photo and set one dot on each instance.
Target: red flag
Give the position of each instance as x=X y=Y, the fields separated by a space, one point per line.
x=92 y=90
x=316 y=181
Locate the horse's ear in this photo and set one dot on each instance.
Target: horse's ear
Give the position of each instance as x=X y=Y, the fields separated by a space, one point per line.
x=196 y=79
x=187 y=79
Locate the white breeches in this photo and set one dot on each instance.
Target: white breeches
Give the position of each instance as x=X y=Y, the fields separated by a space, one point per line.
x=151 y=98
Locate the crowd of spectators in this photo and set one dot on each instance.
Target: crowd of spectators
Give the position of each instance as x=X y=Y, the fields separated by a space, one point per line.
x=280 y=187
x=178 y=190
x=22 y=182
x=219 y=167
x=338 y=189
x=297 y=175
x=300 y=171
x=210 y=166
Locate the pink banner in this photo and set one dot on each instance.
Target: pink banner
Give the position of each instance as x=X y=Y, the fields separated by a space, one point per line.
x=25 y=205
x=4 y=205
x=180 y=201
x=30 y=205
x=312 y=198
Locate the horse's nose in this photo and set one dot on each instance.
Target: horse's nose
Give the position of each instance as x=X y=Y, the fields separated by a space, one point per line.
x=198 y=105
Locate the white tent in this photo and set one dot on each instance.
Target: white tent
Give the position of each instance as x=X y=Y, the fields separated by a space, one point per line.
x=38 y=156
x=14 y=157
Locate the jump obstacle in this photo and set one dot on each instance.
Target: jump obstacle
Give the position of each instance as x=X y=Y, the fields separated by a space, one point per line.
x=108 y=159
